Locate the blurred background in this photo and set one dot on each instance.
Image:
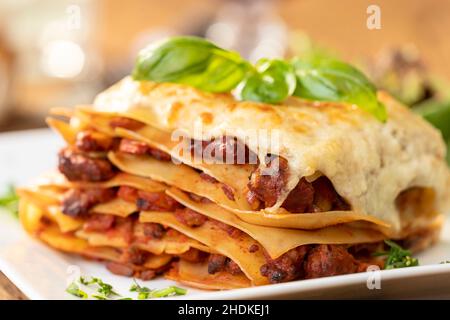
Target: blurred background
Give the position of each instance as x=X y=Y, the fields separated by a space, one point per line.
x=61 y=53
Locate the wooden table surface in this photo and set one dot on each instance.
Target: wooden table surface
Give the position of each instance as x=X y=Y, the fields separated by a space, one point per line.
x=8 y=291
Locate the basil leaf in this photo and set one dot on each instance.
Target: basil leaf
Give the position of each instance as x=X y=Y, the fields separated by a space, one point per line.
x=448 y=152
x=192 y=61
x=438 y=114
x=272 y=82
x=321 y=78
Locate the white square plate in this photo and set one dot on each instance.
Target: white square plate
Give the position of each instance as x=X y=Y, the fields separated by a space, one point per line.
x=42 y=273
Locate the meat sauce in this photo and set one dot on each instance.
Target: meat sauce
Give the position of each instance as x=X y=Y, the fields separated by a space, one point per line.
x=265 y=187
x=77 y=166
x=312 y=261
x=304 y=262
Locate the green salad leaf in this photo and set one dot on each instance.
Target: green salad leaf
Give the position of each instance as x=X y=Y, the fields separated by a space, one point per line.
x=328 y=79
x=193 y=61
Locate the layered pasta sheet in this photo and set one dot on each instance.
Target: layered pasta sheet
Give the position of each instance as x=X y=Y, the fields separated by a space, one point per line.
x=130 y=191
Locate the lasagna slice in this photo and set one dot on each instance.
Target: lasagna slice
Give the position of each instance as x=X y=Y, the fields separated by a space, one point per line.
x=142 y=189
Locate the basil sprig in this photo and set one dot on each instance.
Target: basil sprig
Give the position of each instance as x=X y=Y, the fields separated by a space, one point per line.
x=193 y=61
x=201 y=64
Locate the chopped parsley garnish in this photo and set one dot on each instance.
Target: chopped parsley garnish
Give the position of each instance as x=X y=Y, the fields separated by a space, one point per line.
x=397 y=257
x=9 y=200
x=168 y=292
x=106 y=291
x=75 y=290
x=145 y=293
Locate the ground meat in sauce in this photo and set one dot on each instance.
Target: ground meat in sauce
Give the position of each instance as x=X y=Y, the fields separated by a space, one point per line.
x=78 y=167
x=194 y=255
x=78 y=202
x=92 y=141
x=99 y=223
x=127 y=270
x=159 y=155
x=135 y=271
x=156 y=201
x=190 y=217
x=329 y=260
x=133 y=147
x=325 y=197
x=316 y=196
x=224 y=150
x=153 y=230
x=218 y=263
x=146 y=274
x=120 y=269
x=124 y=228
x=253 y=201
x=301 y=198
x=287 y=267
x=226 y=189
x=307 y=262
x=198 y=198
x=128 y=194
x=208 y=178
x=141 y=148
x=126 y=123
x=230 y=230
x=268 y=187
x=134 y=255
x=365 y=250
